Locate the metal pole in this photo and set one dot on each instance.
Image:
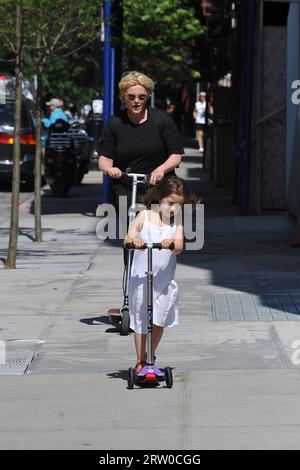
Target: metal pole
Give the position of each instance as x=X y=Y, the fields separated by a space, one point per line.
x=106 y=83
x=152 y=99
x=112 y=92
x=197 y=90
x=149 y=307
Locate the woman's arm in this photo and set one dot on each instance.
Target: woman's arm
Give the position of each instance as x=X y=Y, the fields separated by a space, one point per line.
x=174 y=148
x=172 y=162
x=107 y=151
x=106 y=165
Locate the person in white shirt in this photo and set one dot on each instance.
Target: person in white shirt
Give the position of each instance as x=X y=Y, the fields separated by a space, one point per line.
x=200 y=120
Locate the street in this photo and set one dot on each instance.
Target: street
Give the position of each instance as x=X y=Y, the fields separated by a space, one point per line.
x=234 y=359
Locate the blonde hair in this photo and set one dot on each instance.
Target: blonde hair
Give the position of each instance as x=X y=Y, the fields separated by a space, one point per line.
x=135 y=78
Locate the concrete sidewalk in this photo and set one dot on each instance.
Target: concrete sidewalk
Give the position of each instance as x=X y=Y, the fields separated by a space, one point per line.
x=234 y=355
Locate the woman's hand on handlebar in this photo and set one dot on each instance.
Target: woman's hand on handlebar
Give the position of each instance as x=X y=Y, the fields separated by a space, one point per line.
x=156 y=176
x=114 y=172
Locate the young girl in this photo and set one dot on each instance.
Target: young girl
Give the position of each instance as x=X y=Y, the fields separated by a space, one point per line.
x=158 y=224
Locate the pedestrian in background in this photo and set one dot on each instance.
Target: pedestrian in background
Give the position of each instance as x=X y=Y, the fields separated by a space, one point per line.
x=56 y=113
x=200 y=120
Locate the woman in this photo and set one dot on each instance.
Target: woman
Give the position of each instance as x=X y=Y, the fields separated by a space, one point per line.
x=141 y=138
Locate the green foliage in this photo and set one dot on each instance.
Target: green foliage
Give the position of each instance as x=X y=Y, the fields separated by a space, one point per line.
x=158 y=39
x=56 y=37
x=7 y=23
x=53 y=27
x=70 y=78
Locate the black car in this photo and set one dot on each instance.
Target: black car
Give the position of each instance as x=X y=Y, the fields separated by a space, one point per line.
x=28 y=113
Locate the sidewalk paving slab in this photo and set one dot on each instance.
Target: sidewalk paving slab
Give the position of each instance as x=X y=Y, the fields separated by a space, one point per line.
x=236 y=382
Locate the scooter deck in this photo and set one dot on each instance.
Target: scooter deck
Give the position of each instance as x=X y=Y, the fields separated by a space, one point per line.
x=150 y=369
x=149 y=376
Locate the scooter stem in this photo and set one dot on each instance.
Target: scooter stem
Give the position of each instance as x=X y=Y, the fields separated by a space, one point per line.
x=149 y=306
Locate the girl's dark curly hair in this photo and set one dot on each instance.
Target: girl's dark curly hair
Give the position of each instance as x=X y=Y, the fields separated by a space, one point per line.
x=169 y=185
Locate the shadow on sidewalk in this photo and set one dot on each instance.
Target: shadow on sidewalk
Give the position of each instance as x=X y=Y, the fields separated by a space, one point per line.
x=241 y=254
x=104 y=319
x=249 y=254
x=121 y=374
x=82 y=199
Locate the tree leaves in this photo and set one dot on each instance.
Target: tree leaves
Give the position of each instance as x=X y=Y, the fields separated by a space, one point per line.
x=158 y=38
x=55 y=28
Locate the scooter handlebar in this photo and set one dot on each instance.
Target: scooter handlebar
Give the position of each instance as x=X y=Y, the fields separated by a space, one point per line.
x=129 y=174
x=157 y=246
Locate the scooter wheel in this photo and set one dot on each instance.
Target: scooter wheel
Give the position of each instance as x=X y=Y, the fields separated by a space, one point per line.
x=169 y=377
x=124 y=328
x=131 y=378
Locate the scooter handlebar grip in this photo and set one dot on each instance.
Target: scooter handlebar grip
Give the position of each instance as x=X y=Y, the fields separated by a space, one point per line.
x=158 y=246
x=129 y=246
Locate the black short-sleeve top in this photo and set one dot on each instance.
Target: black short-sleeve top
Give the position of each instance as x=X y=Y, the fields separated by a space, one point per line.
x=140 y=147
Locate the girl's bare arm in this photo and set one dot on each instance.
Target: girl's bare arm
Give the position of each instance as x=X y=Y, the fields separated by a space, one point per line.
x=133 y=234
x=178 y=241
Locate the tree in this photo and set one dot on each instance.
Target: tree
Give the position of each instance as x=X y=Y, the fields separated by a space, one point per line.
x=18 y=49
x=158 y=38
x=42 y=30
x=50 y=29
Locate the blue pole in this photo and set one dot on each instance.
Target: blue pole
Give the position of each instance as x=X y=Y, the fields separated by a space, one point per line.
x=112 y=92
x=106 y=83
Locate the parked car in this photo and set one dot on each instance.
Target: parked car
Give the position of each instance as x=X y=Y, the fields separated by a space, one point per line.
x=28 y=114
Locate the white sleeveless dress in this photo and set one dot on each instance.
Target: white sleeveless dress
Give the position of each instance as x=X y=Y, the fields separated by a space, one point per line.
x=165 y=290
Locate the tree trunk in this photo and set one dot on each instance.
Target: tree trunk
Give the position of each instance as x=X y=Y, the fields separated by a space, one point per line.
x=15 y=192
x=38 y=164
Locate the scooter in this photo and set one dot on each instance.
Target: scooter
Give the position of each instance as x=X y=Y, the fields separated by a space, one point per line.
x=120 y=317
x=149 y=375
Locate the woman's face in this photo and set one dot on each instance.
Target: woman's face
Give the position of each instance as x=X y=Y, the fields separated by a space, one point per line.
x=136 y=99
x=171 y=205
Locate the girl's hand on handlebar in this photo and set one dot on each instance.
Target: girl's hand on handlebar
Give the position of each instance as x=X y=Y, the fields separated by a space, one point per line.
x=166 y=243
x=114 y=172
x=137 y=242
x=156 y=176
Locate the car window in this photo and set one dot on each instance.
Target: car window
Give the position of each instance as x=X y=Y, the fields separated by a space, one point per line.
x=7 y=115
